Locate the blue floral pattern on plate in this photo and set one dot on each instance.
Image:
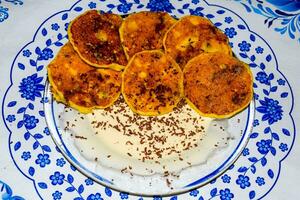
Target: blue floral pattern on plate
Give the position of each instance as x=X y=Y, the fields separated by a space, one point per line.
x=251 y=177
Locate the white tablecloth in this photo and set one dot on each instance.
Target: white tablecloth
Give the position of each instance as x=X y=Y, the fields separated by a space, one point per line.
x=18 y=28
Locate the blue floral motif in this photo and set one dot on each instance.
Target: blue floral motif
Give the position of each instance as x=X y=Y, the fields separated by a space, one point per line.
x=43 y=160
x=46 y=131
x=123 y=195
x=245 y=152
x=15 y=2
x=222 y=194
x=255 y=96
x=264 y=146
x=96 y=196
x=157 y=198
x=66 y=26
x=231 y=44
x=194 y=193
x=45 y=54
x=286 y=5
x=271 y=110
x=55 y=26
x=281 y=81
x=11 y=118
x=226 y=179
x=283 y=147
x=44 y=100
x=27 y=53
x=243 y=181
x=3 y=13
x=259 y=50
x=262 y=77
x=195 y=1
x=226 y=194
x=92 y=5
x=287 y=13
x=89 y=181
x=244 y=46
x=57 y=178
x=125 y=7
x=30 y=121
x=56 y=195
x=228 y=20
x=197 y=11
x=213 y=181
x=60 y=162
x=26 y=155
x=255 y=122
x=30 y=87
x=230 y=32
x=7 y=193
x=160 y=5
x=260 y=181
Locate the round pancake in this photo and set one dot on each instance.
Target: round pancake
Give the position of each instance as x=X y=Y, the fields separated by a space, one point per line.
x=81 y=86
x=96 y=39
x=217 y=85
x=152 y=83
x=192 y=35
x=144 y=31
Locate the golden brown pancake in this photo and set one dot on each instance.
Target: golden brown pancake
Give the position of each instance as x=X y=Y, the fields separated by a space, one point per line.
x=144 y=31
x=152 y=83
x=192 y=35
x=96 y=38
x=81 y=86
x=217 y=85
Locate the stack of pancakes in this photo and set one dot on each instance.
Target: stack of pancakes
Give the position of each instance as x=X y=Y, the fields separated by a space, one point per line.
x=154 y=60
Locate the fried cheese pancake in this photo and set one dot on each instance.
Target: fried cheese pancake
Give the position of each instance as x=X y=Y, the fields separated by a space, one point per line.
x=144 y=31
x=95 y=37
x=192 y=35
x=217 y=85
x=152 y=83
x=81 y=86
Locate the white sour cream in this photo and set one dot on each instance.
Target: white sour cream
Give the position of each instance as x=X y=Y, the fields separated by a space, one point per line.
x=117 y=138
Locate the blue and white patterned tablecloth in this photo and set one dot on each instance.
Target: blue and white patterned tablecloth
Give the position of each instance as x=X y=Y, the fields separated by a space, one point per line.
x=265 y=34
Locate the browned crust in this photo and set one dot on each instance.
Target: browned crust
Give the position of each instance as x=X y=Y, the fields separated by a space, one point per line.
x=96 y=38
x=152 y=83
x=80 y=84
x=217 y=84
x=144 y=31
x=191 y=36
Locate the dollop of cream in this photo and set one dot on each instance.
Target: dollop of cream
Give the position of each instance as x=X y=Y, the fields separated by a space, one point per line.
x=119 y=139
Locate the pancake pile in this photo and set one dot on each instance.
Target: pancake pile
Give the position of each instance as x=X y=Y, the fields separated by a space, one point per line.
x=154 y=60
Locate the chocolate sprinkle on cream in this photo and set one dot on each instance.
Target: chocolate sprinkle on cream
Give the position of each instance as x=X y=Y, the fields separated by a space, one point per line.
x=116 y=137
